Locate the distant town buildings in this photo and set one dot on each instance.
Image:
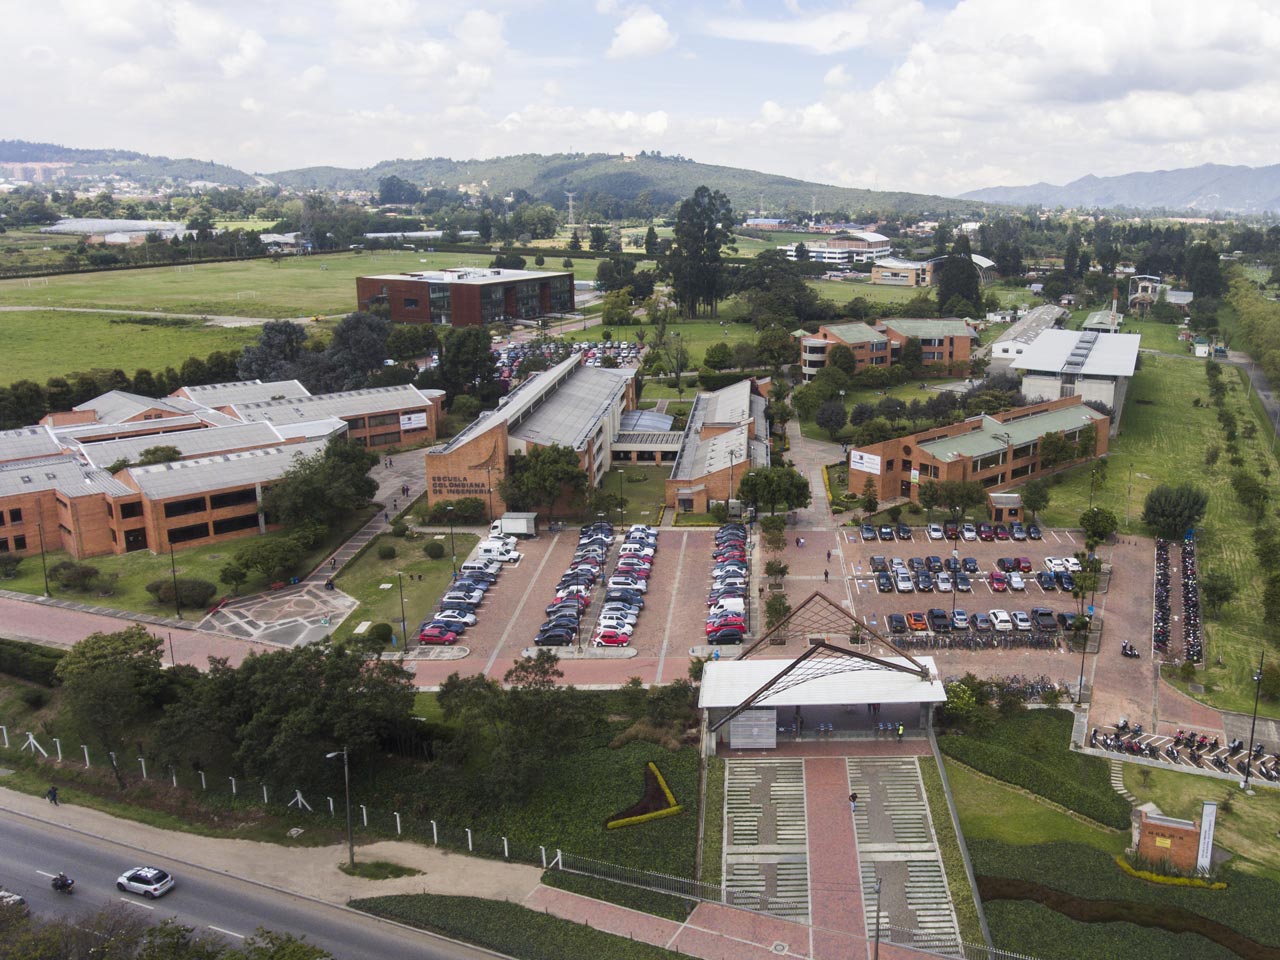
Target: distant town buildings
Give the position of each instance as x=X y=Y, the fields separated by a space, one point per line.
x=854 y=248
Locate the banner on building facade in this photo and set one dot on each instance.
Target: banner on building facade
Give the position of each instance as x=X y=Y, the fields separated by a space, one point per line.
x=413 y=421
x=1208 y=818
x=866 y=462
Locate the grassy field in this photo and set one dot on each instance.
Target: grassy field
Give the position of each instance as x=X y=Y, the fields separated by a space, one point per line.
x=990 y=810
x=249 y=224
x=962 y=894
x=375 y=584
x=141 y=567
x=645 y=490
x=40 y=344
x=290 y=287
x=1148 y=452
x=30 y=248
x=905 y=392
x=1249 y=829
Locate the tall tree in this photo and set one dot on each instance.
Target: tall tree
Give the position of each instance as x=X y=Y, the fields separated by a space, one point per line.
x=323 y=487
x=831 y=417
x=279 y=346
x=358 y=347
x=1035 y=496
x=542 y=478
x=1170 y=511
x=958 y=277
x=465 y=361
x=703 y=225
x=651 y=242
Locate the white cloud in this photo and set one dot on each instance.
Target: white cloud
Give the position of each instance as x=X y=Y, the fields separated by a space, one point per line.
x=126 y=75
x=642 y=34
x=250 y=105
x=311 y=78
x=858 y=24
x=837 y=76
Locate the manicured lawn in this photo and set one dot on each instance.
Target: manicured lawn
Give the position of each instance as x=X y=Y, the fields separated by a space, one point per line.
x=962 y=894
x=141 y=567
x=645 y=490
x=905 y=392
x=290 y=287
x=374 y=582
x=1249 y=830
x=995 y=811
x=1164 y=436
x=40 y=344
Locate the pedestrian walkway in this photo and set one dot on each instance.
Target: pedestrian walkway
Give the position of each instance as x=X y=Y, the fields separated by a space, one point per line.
x=898 y=851
x=765 y=859
x=1117 y=782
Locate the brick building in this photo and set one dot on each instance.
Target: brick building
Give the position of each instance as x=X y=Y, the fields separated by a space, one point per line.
x=74 y=483
x=727 y=434
x=997 y=451
x=947 y=344
x=470 y=296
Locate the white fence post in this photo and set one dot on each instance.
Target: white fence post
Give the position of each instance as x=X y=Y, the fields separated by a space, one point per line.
x=397 y=816
x=173 y=772
x=203 y=785
x=143 y=761
x=85 y=748
x=469 y=838
x=435 y=837
x=364 y=814
x=544 y=857
x=233 y=785
x=264 y=793
x=58 y=743
x=506 y=852
x=4 y=731
x=330 y=799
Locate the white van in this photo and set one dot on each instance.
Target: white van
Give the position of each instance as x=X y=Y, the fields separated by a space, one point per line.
x=507 y=542
x=480 y=566
x=497 y=551
x=727 y=605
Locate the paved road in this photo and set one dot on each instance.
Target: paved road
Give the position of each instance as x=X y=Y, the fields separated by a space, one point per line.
x=209 y=902
x=210 y=319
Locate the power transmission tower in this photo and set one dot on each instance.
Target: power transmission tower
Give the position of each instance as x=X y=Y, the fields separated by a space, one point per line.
x=570 y=196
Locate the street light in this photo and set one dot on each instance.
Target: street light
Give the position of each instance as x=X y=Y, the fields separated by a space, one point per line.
x=404 y=626
x=173 y=570
x=876 y=955
x=1257 y=691
x=346 y=786
x=453 y=550
x=621 y=473
x=43 y=566
x=488 y=472
x=732 y=457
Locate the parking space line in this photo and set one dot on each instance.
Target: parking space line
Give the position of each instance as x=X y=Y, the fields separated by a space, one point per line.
x=136 y=903
x=671 y=610
x=229 y=933
x=515 y=617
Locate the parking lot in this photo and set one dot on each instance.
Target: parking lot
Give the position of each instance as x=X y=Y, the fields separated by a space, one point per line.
x=671 y=623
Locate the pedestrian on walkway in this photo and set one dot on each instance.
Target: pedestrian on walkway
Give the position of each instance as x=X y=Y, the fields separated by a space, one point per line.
x=386 y=515
x=826 y=577
x=901 y=731
x=797 y=541
x=828 y=556
x=853 y=803
x=395 y=504
x=53 y=795
x=333 y=563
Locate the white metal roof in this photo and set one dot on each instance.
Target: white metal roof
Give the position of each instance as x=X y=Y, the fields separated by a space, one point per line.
x=727 y=683
x=1108 y=355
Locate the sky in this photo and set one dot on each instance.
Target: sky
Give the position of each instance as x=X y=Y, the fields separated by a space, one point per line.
x=932 y=96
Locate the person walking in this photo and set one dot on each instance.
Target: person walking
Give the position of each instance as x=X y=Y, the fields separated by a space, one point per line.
x=53 y=795
x=901 y=731
x=828 y=556
x=826 y=576
x=853 y=803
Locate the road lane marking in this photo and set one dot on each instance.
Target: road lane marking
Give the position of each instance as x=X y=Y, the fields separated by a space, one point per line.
x=49 y=875
x=229 y=933
x=144 y=906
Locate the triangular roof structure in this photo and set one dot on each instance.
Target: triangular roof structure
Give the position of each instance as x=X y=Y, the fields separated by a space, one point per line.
x=820 y=617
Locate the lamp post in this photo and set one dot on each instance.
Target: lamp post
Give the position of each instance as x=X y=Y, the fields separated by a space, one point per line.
x=453 y=550
x=955 y=555
x=346 y=788
x=44 y=569
x=876 y=955
x=404 y=626
x=488 y=472
x=1257 y=691
x=173 y=571
x=732 y=457
x=621 y=473
x=1083 y=636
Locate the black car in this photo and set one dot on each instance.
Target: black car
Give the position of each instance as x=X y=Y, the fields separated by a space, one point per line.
x=1067 y=620
x=633 y=597
x=939 y=621
x=904 y=532
x=1065 y=580
x=924 y=581
x=1042 y=617
x=1046 y=580
x=868 y=532
x=884 y=582
x=952 y=565
x=559 y=623
x=897 y=623
x=969 y=564
x=1008 y=564
x=879 y=565
x=886 y=532
x=933 y=564
x=1033 y=532
x=916 y=564
x=725 y=635
x=554 y=638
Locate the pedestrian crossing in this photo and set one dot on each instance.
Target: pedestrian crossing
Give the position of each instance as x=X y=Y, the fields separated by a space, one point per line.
x=897 y=850
x=766 y=863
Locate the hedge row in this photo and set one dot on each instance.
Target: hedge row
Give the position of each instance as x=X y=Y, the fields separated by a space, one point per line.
x=29 y=661
x=1029 y=928
x=1246 y=906
x=1031 y=750
x=509 y=928
x=623 y=894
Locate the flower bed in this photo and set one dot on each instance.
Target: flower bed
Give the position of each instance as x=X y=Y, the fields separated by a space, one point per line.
x=658 y=801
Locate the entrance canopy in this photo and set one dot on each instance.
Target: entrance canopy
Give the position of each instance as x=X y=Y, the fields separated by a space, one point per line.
x=727 y=684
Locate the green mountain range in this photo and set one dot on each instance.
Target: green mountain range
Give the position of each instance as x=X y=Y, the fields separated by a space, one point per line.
x=666 y=179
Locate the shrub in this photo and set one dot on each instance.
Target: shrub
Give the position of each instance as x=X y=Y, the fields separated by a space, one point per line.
x=29 y=661
x=34 y=697
x=434 y=550
x=465 y=510
x=73 y=576
x=9 y=566
x=379 y=635
x=191 y=593
x=399 y=529
x=386 y=551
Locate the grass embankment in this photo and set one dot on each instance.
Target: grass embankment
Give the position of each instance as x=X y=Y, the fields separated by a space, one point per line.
x=40 y=344
x=1149 y=452
x=509 y=928
x=906 y=392
x=625 y=895
x=141 y=567
x=962 y=894
x=376 y=583
x=713 y=823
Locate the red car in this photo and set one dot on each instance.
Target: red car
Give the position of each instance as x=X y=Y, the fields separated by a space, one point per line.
x=736 y=622
x=437 y=634
x=610 y=638
x=985 y=532
x=1002 y=532
x=999 y=582
x=1024 y=564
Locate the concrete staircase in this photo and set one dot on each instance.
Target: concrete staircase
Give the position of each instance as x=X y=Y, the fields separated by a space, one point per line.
x=766 y=864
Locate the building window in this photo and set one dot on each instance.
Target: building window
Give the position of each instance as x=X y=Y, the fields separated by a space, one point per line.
x=233 y=498
x=1022 y=471
x=384 y=439
x=19 y=542
x=195 y=531
x=384 y=420
x=111 y=510
x=114 y=537
x=906 y=464
x=4 y=544
x=993 y=480
x=15 y=516
x=888 y=466
x=130 y=510
x=180 y=508
x=411 y=303
x=232 y=524
x=989 y=461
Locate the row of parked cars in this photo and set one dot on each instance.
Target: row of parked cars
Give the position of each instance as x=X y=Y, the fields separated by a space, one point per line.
x=952 y=530
x=927 y=574
x=456 y=610
x=938 y=620
x=629 y=582
x=730 y=581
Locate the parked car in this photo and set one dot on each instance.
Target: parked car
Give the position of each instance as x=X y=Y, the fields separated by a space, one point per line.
x=879 y=565
x=554 y=638
x=963 y=583
x=615 y=624
x=1018 y=531
x=959 y=620
x=455 y=617
x=1015 y=581
x=633 y=597
x=627 y=583
x=1005 y=564
x=431 y=633
x=904 y=531
x=985 y=532
x=886 y=532
x=1043 y=618
x=935 y=531
x=999 y=582
x=726 y=635
x=902 y=582
x=916 y=622
x=725 y=623
x=1033 y=532
x=868 y=532
x=610 y=638
x=939 y=620
x=980 y=622
x=1046 y=581
x=970 y=565
x=897 y=623
x=151 y=882
x=1002 y=532
x=943 y=582
x=969 y=532
x=1020 y=620
x=951 y=530
x=1066 y=581
x=924 y=581
x=933 y=564
x=884 y=583
x=1001 y=621
x=1025 y=565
